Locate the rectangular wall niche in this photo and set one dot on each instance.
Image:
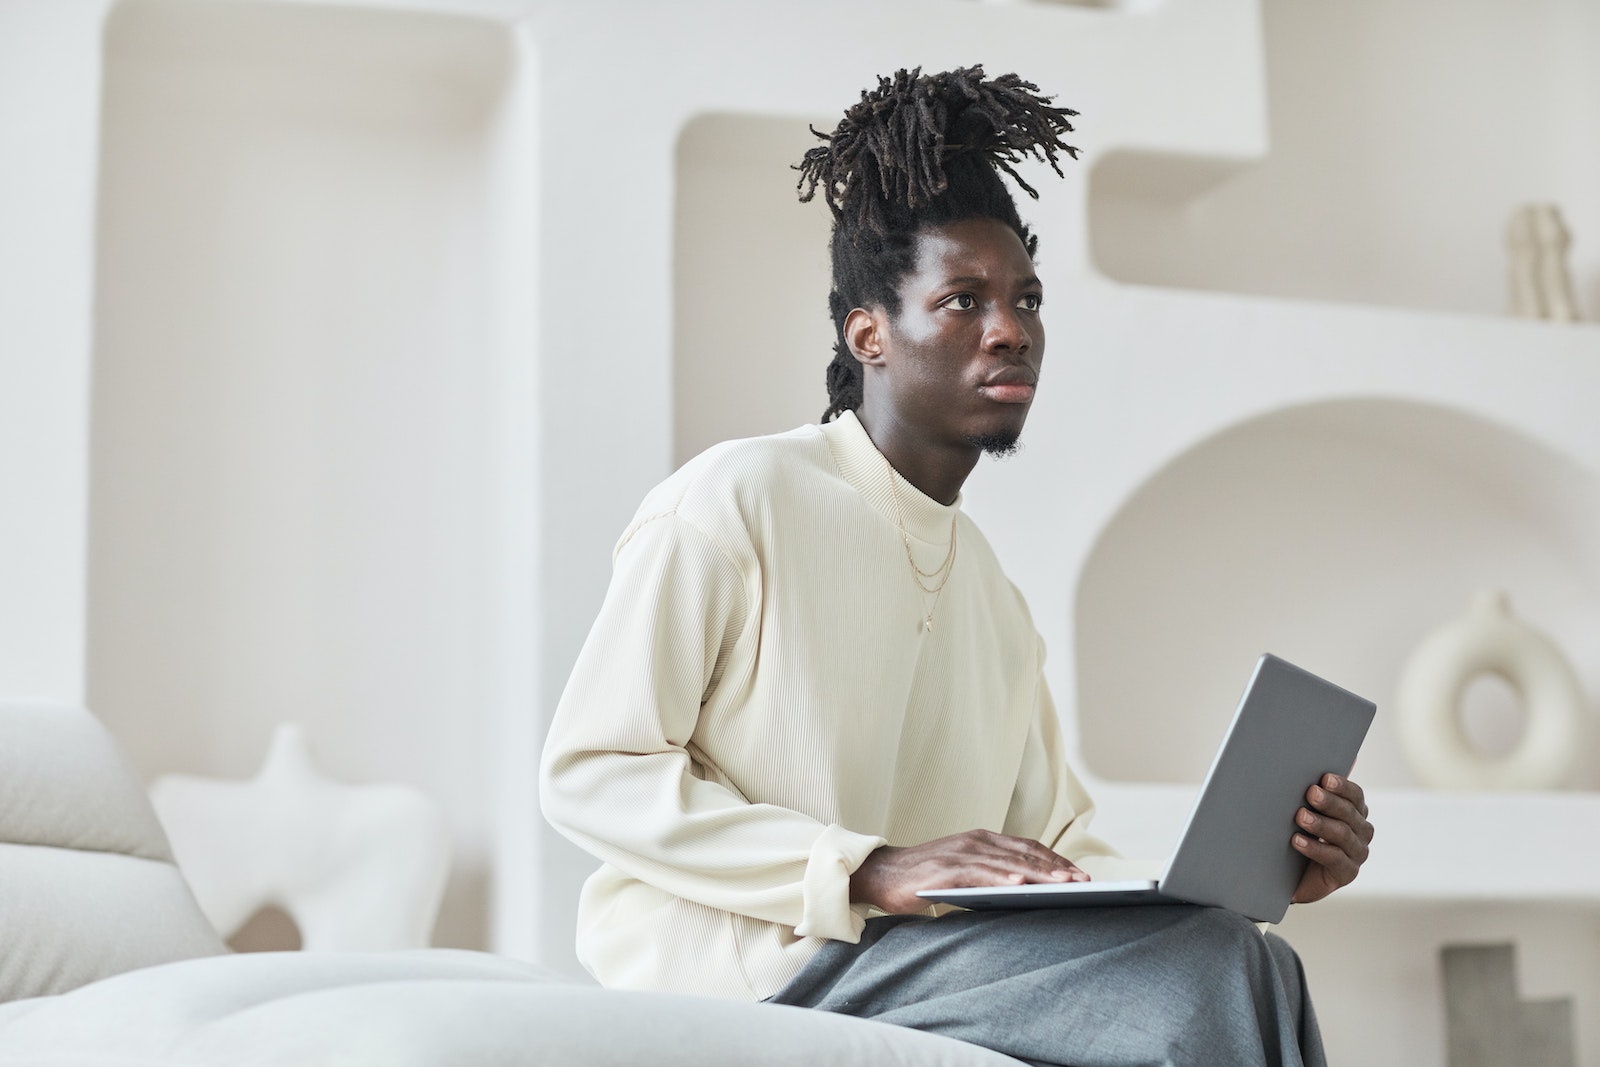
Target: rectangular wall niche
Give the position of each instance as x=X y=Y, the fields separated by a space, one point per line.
x=751 y=333
x=293 y=397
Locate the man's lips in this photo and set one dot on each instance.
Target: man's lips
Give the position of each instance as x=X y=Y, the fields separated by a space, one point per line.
x=1009 y=387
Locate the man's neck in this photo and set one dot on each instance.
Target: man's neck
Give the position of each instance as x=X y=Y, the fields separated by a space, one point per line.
x=938 y=470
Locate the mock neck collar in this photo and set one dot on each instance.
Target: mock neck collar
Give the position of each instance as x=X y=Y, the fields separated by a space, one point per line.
x=870 y=473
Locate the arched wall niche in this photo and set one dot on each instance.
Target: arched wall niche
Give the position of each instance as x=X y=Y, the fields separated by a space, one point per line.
x=1334 y=534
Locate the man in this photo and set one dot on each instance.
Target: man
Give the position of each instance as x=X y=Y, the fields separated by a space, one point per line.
x=811 y=691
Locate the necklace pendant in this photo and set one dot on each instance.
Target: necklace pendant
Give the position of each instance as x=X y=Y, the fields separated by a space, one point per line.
x=927 y=624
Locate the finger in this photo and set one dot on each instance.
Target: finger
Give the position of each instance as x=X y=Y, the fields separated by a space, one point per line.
x=1344 y=787
x=1029 y=868
x=1037 y=876
x=1346 y=837
x=987 y=874
x=1334 y=807
x=1338 y=867
x=1037 y=863
x=1032 y=852
x=1341 y=808
x=1022 y=845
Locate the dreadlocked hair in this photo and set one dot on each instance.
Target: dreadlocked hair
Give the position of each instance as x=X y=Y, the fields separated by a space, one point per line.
x=919 y=151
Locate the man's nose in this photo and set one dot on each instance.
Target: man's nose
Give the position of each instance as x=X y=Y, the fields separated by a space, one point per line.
x=1005 y=331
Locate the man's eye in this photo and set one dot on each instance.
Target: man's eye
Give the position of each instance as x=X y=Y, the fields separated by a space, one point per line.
x=1030 y=302
x=960 y=302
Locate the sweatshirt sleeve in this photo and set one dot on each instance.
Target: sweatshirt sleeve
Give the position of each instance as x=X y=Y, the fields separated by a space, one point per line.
x=617 y=776
x=1051 y=805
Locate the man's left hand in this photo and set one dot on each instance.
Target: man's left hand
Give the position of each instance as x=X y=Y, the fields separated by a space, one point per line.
x=1334 y=835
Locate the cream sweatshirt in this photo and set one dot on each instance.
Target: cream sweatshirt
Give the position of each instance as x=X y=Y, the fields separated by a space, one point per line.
x=758 y=707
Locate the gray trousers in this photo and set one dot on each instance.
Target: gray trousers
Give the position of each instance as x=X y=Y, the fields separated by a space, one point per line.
x=1163 y=986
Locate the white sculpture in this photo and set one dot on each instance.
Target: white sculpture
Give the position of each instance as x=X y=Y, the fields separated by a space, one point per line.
x=1427 y=704
x=356 y=867
x=1541 y=286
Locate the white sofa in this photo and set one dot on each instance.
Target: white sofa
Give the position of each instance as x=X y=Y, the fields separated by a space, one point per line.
x=105 y=959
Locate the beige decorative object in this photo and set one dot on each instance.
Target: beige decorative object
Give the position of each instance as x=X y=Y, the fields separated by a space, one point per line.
x=1537 y=241
x=356 y=867
x=1488 y=639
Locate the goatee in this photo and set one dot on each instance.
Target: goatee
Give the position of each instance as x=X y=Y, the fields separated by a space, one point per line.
x=999 y=445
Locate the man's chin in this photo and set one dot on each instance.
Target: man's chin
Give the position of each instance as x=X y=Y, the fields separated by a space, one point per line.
x=998 y=445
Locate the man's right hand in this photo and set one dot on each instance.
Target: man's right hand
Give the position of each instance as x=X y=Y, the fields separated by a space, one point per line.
x=890 y=877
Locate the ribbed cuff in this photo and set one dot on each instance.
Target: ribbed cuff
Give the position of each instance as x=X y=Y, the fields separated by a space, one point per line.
x=825 y=892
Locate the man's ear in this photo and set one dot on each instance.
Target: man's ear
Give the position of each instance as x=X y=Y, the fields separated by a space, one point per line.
x=864 y=333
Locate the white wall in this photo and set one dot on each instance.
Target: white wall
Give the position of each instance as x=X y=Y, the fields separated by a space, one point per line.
x=49 y=102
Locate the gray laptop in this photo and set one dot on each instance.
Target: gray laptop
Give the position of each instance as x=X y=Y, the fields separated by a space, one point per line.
x=1291 y=728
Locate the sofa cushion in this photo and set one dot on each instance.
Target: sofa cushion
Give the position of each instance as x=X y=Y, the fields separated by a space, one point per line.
x=428 y=1007
x=90 y=887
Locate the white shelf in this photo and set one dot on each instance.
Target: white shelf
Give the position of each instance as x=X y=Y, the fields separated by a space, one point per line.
x=1429 y=846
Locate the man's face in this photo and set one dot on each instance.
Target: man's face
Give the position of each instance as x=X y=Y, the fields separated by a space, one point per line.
x=962 y=358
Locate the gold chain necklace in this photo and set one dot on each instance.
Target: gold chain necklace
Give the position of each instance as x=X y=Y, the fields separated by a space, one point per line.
x=941 y=573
